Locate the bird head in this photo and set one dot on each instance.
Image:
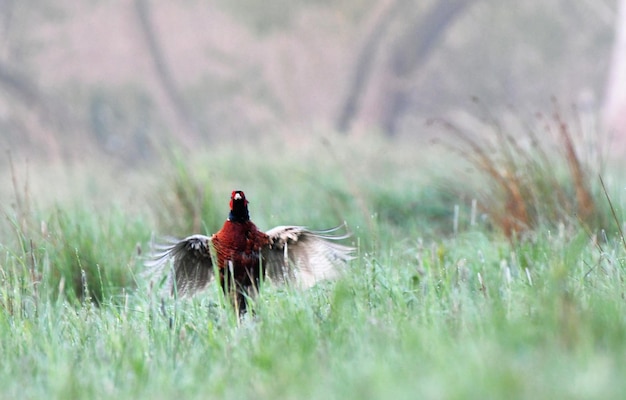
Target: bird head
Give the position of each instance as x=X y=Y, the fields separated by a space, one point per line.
x=238 y=207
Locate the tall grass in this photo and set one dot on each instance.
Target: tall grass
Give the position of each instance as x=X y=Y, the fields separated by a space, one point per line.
x=538 y=172
x=74 y=251
x=185 y=202
x=421 y=314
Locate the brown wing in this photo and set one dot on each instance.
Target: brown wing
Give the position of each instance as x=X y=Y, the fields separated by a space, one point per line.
x=304 y=256
x=192 y=267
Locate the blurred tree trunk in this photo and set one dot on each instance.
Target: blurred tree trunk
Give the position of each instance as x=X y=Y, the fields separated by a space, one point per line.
x=364 y=65
x=163 y=73
x=410 y=52
x=412 y=48
x=615 y=102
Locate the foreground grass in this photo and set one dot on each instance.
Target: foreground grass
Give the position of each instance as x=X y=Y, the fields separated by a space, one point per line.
x=420 y=315
x=404 y=324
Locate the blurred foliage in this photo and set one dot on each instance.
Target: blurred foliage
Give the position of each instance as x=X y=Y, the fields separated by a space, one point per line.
x=278 y=15
x=537 y=172
x=273 y=66
x=184 y=202
x=264 y=17
x=122 y=122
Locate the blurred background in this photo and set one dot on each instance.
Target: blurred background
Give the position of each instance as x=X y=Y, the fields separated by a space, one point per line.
x=123 y=78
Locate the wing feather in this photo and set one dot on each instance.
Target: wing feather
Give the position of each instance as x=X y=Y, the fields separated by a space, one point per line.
x=189 y=262
x=298 y=254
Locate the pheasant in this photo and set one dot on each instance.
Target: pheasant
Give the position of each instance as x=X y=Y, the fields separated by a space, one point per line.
x=245 y=255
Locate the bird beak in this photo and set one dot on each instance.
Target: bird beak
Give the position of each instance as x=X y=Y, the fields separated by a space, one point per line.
x=237 y=196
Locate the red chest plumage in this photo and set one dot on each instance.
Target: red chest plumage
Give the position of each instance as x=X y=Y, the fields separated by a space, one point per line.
x=238 y=246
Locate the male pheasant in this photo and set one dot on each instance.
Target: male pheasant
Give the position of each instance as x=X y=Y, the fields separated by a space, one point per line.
x=244 y=255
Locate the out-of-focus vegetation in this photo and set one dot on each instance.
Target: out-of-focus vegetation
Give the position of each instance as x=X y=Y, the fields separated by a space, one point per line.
x=538 y=170
x=123 y=76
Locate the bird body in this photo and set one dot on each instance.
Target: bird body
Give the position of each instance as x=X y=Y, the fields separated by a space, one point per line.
x=238 y=248
x=244 y=255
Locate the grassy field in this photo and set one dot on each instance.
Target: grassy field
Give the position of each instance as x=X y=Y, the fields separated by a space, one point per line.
x=439 y=303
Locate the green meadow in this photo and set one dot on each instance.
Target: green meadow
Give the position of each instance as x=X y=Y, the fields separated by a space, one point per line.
x=444 y=299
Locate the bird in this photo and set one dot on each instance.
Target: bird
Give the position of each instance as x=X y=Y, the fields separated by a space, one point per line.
x=242 y=255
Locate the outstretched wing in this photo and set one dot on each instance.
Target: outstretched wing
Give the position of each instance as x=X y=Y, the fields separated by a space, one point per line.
x=191 y=268
x=304 y=256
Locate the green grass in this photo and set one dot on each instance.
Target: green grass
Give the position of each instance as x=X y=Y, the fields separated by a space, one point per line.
x=423 y=313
